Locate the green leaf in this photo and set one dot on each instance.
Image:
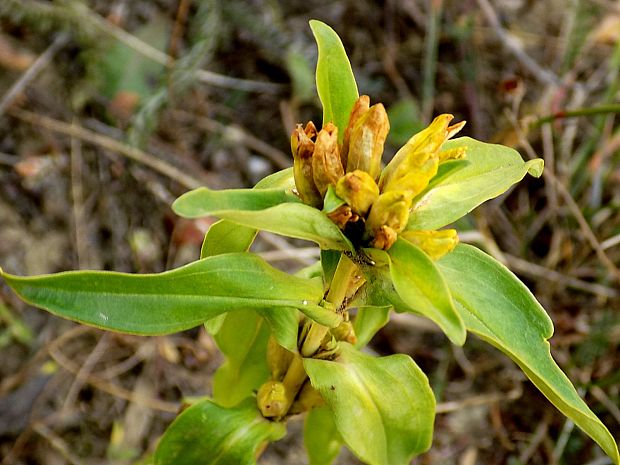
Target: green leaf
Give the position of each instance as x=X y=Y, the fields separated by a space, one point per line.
x=491 y=170
x=174 y=300
x=321 y=438
x=368 y=321
x=335 y=82
x=329 y=263
x=243 y=341
x=422 y=288
x=331 y=200
x=498 y=307
x=383 y=407
x=208 y=434
x=274 y=210
x=226 y=237
x=284 y=326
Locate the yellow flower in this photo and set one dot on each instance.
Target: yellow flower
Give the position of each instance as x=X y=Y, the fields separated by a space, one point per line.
x=384 y=207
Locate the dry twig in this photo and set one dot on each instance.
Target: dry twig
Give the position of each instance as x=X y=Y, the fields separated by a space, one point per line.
x=32 y=72
x=107 y=143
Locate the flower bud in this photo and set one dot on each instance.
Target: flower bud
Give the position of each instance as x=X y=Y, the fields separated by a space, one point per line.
x=326 y=164
x=388 y=216
x=271 y=399
x=366 y=141
x=278 y=359
x=302 y=147
x=307 y=399
x=359 y=190
x=436 y=244
x=417 y=152
x=345 y=332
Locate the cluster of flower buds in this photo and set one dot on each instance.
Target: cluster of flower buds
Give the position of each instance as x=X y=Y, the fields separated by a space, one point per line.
x=381 y=200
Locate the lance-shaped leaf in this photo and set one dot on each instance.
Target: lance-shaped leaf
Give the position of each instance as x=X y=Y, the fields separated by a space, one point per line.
x=174 y=300
x=422 y=288
x=335 y=82
x=498 y=307
x=274 y=210
x=382 y=407
x=321 y=438
x=227 y=237
x=208 y=434
x=243 y=341
x=490 y=171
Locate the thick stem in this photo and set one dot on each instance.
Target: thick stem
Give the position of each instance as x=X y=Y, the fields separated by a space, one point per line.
x=295 y=375
x=336 y=295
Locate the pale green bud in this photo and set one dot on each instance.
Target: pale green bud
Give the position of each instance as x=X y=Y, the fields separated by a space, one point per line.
x=345 y=332
x=307 y=399
x=272 y=400
x=278 y=359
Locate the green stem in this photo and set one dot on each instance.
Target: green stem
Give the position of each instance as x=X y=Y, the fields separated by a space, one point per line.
x=336 y=295
x=600 y=110
x=296 y=376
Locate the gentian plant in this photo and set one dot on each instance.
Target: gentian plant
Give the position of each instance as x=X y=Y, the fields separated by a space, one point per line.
x=293 y=343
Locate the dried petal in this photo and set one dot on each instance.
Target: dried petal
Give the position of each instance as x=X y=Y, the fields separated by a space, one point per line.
x=326 y=165
x=366 y=141
x=361 y=106
x=384 y=238
x=302 y=147
x=342 y=215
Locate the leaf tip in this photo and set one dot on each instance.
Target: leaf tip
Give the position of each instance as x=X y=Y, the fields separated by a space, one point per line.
x=317 y=25
x=535 y=167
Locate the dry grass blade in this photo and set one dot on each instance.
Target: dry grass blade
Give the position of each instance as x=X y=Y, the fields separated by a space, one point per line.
x=32 y=72
x=570 y=203
x=208 y=77
x=475 y=401
x=109 y=387
x=542 y=74
x=108 y=143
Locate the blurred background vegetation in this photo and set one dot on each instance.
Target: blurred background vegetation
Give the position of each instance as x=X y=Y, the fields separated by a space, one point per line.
x=110 y=109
